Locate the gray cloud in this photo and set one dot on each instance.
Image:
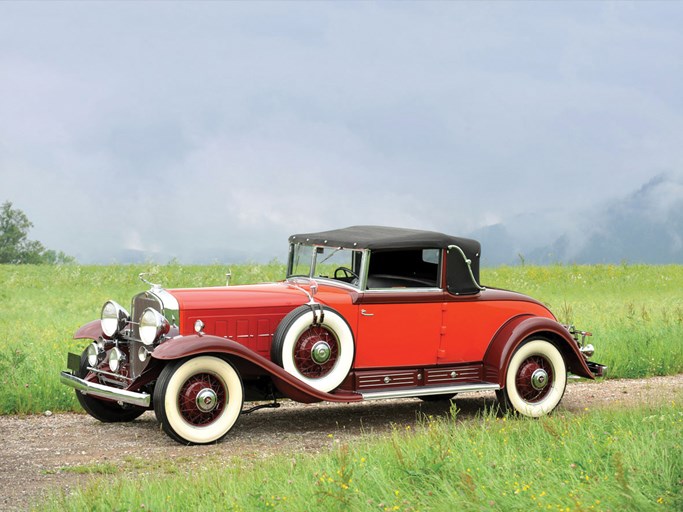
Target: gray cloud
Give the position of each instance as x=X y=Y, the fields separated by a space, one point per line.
x=210 y=131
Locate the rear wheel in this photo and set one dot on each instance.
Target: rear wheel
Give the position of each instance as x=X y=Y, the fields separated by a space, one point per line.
x=536 y=379
x=106 y=411
x=198 y=400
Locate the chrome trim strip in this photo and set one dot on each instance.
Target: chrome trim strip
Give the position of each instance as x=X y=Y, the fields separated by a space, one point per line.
x=168 y=300
x=110 y=393
x=364 y=269
x=429 y=390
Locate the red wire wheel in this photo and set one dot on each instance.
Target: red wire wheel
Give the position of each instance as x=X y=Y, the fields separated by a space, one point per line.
x=201 y=399
x=534 y=379
x=316 y=352
x=315 y=344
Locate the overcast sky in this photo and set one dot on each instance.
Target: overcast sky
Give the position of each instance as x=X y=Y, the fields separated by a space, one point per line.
x=211 y=131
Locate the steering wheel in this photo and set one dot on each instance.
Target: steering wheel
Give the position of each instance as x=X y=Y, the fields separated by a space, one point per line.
x=348 y=274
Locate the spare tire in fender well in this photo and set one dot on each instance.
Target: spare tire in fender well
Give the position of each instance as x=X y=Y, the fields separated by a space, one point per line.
x=315 y=344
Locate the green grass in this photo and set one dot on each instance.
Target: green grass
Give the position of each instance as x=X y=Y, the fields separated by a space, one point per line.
x=635 y=312
x=626 y=460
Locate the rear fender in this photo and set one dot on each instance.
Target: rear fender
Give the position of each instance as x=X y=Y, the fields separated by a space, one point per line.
x=293 y=388
x=520 y=328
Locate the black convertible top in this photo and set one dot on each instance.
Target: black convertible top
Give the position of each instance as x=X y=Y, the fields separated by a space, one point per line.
x=381 y=237
x=462 y=273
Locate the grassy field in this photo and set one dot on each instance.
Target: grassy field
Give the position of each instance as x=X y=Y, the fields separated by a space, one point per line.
x=625 y=460
x=635 y=312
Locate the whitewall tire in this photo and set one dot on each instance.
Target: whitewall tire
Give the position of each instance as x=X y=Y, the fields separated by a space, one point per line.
x=318 y=351
x=198 y=399
x=536 y=379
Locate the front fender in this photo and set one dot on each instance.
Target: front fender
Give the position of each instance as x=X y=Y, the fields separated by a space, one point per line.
x=91 y=330
x=293 y=388
x=520 y=328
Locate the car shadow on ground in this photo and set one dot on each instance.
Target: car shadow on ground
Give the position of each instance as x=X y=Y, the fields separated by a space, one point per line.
x=321 y=421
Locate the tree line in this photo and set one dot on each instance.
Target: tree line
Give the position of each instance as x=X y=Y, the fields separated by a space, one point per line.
x=15 y=246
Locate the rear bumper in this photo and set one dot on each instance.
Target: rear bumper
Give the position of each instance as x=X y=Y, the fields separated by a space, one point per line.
x=598 y=370
x=107 y=392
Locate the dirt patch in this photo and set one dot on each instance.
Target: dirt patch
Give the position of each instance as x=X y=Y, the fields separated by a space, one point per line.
x=36 y=450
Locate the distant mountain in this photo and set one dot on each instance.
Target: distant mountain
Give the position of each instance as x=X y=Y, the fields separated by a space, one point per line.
x=643 y=227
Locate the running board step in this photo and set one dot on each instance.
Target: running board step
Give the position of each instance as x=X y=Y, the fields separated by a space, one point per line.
x=429 y=390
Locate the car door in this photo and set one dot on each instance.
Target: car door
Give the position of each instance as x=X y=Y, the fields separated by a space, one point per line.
x=398 y=328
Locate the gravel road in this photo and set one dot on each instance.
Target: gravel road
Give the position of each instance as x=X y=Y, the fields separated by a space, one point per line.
x=37 y=449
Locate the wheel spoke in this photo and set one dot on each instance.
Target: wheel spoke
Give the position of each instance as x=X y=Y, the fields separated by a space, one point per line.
x=188 y=396
x=303 y=352
x=534 y=379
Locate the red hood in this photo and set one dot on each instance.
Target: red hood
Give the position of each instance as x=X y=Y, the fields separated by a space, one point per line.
x=246 y=296
x=249 y=312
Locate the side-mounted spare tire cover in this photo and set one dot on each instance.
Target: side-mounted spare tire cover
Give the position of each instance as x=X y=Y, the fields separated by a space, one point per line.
x=315 y=344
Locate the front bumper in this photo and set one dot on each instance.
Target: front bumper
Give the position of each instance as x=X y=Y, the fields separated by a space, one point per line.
x=107 y=392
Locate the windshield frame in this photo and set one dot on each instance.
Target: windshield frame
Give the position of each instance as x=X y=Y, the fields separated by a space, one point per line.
x=316 y=251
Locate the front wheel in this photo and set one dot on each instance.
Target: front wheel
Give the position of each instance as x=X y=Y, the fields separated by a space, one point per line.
x=107 y=411
x=197 y=400
x=536 y=379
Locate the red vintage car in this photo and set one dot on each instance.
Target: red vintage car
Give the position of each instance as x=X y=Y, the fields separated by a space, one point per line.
x=364 y=313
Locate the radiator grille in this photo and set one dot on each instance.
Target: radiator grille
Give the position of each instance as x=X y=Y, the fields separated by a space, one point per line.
x=140 y=303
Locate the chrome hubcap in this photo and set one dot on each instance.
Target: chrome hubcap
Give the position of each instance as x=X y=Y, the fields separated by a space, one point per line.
x=321 y=352
x=539 y=379
x=207 y=400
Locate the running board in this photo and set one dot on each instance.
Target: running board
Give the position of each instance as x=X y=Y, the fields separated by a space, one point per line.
x=429 y=390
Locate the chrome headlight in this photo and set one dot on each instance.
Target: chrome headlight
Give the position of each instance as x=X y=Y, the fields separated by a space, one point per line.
x=95 y=354
x=152 y=326
x=114 y=318
x=143 y=354
x=116 y=359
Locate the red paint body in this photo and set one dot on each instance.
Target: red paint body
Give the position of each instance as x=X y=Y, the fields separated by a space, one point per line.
x=406 y=330
x=415 y=338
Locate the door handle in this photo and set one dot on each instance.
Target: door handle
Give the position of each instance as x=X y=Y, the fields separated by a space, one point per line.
x=365 y=313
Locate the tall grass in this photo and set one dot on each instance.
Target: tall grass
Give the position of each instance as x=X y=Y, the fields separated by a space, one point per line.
x=635 y=312
x=630 y=460
x=42 y=306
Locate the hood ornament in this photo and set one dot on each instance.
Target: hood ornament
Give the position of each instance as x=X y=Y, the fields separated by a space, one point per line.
x=142 y=276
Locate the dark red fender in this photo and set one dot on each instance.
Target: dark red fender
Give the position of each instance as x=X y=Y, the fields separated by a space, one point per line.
x=290 y=386
x=518 y=329
x=91 y=330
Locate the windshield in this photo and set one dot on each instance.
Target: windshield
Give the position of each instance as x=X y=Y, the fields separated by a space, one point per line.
x=325 y=262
